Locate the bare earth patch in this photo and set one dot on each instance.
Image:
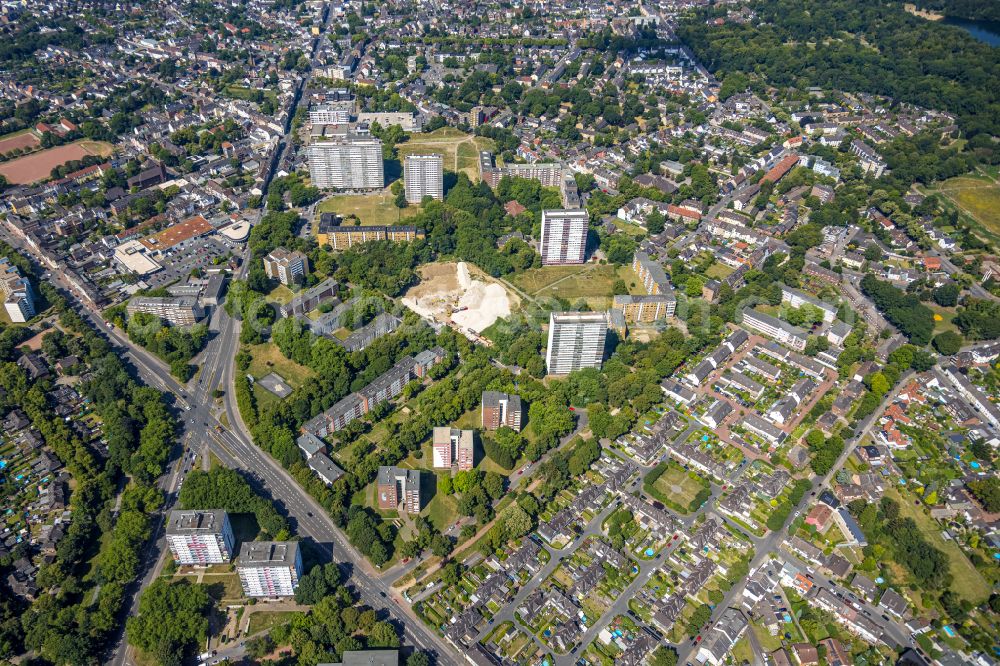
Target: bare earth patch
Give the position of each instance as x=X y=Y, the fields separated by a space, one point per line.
x=459 y=293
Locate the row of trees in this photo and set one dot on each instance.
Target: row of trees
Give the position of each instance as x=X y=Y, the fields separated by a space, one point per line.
x=905 y=311
x=89 y=579
x=226 y=489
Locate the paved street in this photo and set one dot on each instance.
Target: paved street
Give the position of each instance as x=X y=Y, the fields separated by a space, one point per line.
x=767 y=545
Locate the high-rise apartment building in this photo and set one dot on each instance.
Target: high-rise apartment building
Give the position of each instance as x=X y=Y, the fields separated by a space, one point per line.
x=501 y=410
x=564 y=236
x=453 y=448
x=352 y=162
x=19 y=297
x=576 y=340
x=200 y=537
x=286 y=267
x=423 y=176
x=269 y=568
x=396 y=485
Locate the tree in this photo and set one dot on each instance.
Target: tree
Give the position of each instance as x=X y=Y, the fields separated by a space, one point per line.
x=693 y=286
x=987 y=491
x=946 y=295
x=172 y=619
x=655 y=222
x=663 y=656
x=383 y=635
x=947 y=343
x=493 y=485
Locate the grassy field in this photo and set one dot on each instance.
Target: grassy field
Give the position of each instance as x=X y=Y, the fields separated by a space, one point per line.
x=593 y=282
x=628 y=227
x=280 y=295
x=968 y=583
x=459 y=150
x=266 y=619
x=102 y=148
x=376 y=208
x=718 y=271
x=268 y=358
x=678 y=486
x=977 y=195
x=946 y=315
x=442 y=511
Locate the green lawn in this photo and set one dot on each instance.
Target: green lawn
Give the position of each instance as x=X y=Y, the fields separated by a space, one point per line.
x=946 y=315
x=268 y=358
x=593 y=282
x=372 y=209
x=442 y=511
x=677 y=486
x=266 y=619
x=628 y=227
x=718 y=271
x=280 y=295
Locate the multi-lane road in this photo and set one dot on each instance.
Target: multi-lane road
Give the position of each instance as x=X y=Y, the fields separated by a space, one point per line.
x=201 y=430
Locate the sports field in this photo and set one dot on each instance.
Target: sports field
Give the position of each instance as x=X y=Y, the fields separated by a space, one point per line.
x=23 y=139
x=37 y=166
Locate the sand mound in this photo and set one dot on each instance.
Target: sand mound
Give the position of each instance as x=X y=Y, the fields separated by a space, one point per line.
x=449 y=292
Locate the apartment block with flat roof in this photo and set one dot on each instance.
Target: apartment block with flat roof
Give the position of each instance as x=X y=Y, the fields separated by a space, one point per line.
x=19 y=297
x=398 y=486
x=576 y=340
x=651 y=274
x=564 y=236
x=453 y=448
x=269 y=568
x=645 y=309
x=423 y=176
x=353 y=162
x=179 y=311
x=501 y=410
x=200 y=537
x=340 y=237
x=797 y=299
x=780 y=330
x=286 y=267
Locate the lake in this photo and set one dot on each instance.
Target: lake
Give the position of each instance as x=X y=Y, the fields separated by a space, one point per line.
x=985 y=31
